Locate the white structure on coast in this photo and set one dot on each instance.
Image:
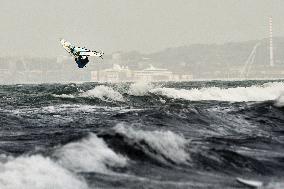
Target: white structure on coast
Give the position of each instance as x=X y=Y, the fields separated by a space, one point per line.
x=123 y=74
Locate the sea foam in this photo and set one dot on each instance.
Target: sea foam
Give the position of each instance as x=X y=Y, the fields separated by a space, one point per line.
x=104 y=93
x=140 y=88
x=279 y=102
x=89 y=155
x=64 y=96
x=166 y=143
x=37 y=172
x=268 y=91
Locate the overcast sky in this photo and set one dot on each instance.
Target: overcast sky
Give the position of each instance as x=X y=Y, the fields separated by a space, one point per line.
x=33 y=27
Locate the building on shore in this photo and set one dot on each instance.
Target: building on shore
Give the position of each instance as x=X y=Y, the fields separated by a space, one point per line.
x=185 y=77
x=123 y=74
x=154 y=74
x=115 y=74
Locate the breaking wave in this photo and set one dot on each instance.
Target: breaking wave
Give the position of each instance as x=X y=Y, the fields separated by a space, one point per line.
x=89 y=155
x=104 y=93
x=268 y=91
x=101 y=92
x=140 y=88
x=279 y=102
x=64 y=96
x=37 y=172
x=77 y=108
x=152 y=138
x=161 y=145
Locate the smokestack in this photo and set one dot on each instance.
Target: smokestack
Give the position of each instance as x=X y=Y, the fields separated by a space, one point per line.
x=271 y=43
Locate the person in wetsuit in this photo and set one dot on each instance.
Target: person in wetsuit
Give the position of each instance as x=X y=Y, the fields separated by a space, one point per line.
x=81 y=62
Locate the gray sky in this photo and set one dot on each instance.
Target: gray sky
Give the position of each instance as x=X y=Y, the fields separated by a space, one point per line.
x=33 y=27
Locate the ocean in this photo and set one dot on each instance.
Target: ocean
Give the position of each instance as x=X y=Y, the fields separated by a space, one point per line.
x=202 y=134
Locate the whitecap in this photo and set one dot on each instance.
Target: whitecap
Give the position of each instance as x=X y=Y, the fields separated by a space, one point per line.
x=140 y=88
x=89 y=155
x=165 y=143
x=104 y=93
x=279 y=102
x=268 y=91
x=64 y=96
x=37 y=172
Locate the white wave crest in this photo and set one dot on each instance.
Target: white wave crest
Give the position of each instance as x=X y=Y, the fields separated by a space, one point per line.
x=64 y=96
x=140 y=88
x=37 y=172
x=89 y=155
x=279 y=102
x=268 y=91
x=166 y=143
x=104 y=93
x=75 y=108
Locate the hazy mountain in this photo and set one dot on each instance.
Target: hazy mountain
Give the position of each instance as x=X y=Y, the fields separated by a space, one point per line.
x=208 y=56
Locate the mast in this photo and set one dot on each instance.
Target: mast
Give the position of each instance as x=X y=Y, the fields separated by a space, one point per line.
x=271 y=59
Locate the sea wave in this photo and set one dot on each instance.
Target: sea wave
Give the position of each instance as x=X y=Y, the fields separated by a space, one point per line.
x=268 y=91
x=37 y=172
x=101 y=92
x=279 y=102
x=104 y=93
x=64 y=96
x=62 y=108
x=89 y=155
x=140 y=88
x=164 y=145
